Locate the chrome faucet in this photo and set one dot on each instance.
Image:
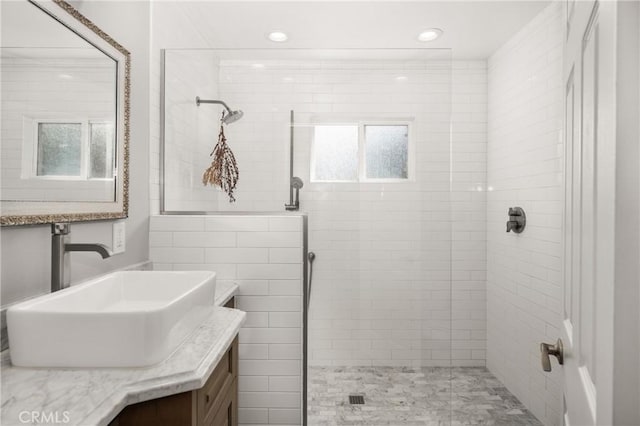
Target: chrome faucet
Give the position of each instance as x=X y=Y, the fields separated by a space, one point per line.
x=60 y=249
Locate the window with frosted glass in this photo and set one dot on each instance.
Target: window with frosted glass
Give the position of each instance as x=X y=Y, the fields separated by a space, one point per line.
x=59 y=149
x=335 y=153
x=100 y=150
x=386 y=151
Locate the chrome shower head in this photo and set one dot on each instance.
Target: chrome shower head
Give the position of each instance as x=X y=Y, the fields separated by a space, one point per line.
x=232 y=117
x=229 y=118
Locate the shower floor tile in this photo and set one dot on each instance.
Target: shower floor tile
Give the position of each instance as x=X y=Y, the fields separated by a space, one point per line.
x=412 y=396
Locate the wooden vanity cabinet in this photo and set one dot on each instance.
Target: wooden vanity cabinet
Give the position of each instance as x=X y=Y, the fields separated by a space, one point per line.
x=215 y=404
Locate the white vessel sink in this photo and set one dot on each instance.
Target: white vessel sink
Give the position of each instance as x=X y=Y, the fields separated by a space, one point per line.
x=123 y=319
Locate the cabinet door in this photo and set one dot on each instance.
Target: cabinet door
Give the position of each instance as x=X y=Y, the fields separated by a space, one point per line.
x=227 y=415
x=220 y=388
x=214 y=404
x=174 y=410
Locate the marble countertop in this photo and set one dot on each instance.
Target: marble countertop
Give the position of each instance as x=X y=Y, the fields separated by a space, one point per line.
x=95 y=396
x=224 y=292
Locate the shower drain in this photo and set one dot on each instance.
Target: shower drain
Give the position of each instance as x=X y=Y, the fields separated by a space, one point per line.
x=356 y=399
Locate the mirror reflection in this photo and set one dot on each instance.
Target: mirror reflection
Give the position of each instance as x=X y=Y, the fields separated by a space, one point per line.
x=58 y=103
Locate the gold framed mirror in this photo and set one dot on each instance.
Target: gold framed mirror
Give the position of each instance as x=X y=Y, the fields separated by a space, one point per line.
x=64 y=149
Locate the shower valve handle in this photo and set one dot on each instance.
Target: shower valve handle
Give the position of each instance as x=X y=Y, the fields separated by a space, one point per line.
x=517 y=220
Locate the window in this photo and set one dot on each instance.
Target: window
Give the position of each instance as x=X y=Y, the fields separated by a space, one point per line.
x=386 y=151
x=335 y=153
x=365 y=152
x=68 y=149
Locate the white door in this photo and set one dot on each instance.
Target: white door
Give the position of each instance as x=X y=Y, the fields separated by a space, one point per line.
x=587 y=329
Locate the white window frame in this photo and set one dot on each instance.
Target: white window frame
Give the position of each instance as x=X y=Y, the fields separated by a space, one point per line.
x=29 y=168
x=362 y=160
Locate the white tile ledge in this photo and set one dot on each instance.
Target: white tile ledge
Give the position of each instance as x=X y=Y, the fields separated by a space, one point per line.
x=96 y=396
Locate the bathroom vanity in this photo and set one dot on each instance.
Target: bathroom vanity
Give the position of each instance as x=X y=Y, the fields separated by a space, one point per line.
x=215 y=404
x=198 y=380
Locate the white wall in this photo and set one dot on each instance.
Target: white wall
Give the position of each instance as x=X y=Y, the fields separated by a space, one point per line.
x=26 y=250
x=524 y=168
x=263 y=255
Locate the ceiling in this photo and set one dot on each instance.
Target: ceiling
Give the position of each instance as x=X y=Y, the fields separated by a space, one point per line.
x=472 y=28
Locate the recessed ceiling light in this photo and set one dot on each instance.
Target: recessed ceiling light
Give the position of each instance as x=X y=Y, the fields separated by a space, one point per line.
x=430 y=34
x=277 y=36
x=257 y=66
x=402 y=78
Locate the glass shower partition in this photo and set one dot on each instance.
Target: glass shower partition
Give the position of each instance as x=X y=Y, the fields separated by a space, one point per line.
x=372 y=146
x=375 y=153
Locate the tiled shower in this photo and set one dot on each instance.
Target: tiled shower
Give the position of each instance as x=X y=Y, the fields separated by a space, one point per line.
x=402 y=268
x=384 y=148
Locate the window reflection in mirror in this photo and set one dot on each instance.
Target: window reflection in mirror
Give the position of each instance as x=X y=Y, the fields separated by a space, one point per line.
x=59 y=149
x=59 y=108
x=68 y=151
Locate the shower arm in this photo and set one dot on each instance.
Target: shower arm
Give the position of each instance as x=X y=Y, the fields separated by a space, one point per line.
x=207 y=101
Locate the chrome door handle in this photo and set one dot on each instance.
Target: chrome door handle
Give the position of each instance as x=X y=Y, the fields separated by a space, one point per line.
x=547 y=349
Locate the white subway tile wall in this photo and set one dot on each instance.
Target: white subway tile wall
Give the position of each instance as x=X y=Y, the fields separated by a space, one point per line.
x=268 y=270
x=388 y=254
x=525 y=157
x=468 y=213
x=382 y=291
